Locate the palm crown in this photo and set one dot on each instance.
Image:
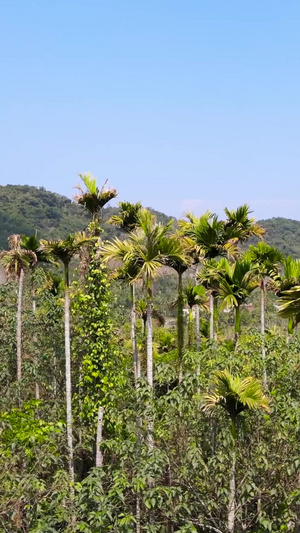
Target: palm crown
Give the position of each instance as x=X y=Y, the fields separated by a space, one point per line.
x=93 y=199
x=128 y=217
x=17 y=258
x=235 y=395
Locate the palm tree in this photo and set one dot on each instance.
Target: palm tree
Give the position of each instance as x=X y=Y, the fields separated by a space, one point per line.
x=235 y=396
x=33 y=244
x=242 y=226
x=64 y=251
x=194 y=296
x=16 y=260
x=94 y=199
x=128 y=216
x=209 y=277
x=265 y=265
x=290 y=277
x=289 y=304
x=235 y=285
x=180 y=263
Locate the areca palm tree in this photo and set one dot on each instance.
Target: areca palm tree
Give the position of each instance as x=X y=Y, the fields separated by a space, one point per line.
x=265 y=266
x=289 y=278
x=180 y=262
x=16 y=260
x=235 y=286
x=195 y=296
x=94 y=199
x=128 y=217
x=235 y=396
x=209 y=277
x=289 y=304
x=65 y=251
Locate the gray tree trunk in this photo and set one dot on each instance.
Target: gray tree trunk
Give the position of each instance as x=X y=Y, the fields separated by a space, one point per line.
x=232 y=489
x=69 y=388
x=37 y=386
x=197 y=327
x=150 y=425
x=19 y=326
x=99 y=455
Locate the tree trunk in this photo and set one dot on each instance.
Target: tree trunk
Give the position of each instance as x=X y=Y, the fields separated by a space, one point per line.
x=19 y=326
x=99 y=455
x=149 y=361
x=37 y=386
x=232 y=484
x=136 y=358
x=262 y=329
x=197 y=327
x=237 y=325
x=211 y=316
x=180 y=326
x=68 y=381
x=191 y=329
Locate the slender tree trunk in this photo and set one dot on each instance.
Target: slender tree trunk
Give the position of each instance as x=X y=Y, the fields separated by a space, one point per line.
x=19 y=326
x=237 y=325
x=211 y=316
x=99 y=455
x=136 y=358
x=232 y=483
x=68 y=381
x=180 y=325
x=191 y=329
x=197 y=327
x=149 y=361
x=262 y=324
x=37 y=386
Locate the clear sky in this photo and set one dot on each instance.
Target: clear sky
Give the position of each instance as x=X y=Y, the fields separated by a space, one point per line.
x=182 y=104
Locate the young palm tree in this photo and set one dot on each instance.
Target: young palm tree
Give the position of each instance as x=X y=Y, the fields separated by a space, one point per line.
x=265 y=266
x=94 y=199
x=234 y=395
x=64 y=251
x=16 y=260
x=235 y=285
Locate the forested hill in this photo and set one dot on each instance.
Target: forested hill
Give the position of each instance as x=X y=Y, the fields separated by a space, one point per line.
x=25 y=209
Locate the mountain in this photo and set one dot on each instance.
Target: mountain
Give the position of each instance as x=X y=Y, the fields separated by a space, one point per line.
x=29 y=210
x=26 y=209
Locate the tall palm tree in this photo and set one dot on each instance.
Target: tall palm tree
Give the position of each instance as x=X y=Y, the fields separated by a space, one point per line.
x=94 y=199
x=32 y=243
x=215 y=238
x=194 y=296
x=209 y=277
x=180 y=263
x=128 y=220
x=16 y=260
x=265 y=266
x=235 y=285
x=64 y=251
x=235 y=396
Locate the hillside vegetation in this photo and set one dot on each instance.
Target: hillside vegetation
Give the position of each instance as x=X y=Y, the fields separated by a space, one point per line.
x=29 y=210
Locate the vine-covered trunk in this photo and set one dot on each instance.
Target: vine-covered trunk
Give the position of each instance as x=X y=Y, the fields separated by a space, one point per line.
x=68 y=381
x=37 y=386
x=180 y=326
x=191 y=329
x=262 y=329
x=197 y=327
x=19 y=326
x=149 y=362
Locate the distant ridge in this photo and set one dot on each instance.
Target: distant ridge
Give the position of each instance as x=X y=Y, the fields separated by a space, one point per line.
x=27 y=209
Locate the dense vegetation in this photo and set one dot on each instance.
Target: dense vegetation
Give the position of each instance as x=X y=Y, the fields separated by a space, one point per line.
x=129 y=404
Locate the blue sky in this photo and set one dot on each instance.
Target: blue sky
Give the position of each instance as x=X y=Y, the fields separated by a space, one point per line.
x=181 y=104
